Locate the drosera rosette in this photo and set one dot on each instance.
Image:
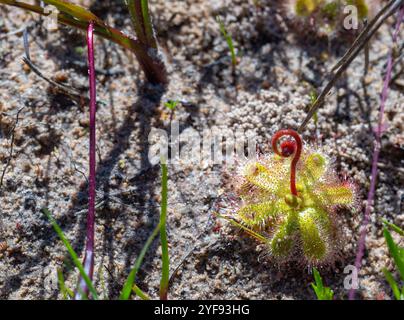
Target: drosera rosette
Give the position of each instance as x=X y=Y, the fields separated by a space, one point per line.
x=325 y=18
x=288 y=200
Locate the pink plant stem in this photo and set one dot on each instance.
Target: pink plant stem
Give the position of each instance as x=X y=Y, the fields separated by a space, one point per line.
x=376 y=153
x=89 y=253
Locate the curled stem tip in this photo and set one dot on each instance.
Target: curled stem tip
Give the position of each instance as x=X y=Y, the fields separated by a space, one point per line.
x=288 y=148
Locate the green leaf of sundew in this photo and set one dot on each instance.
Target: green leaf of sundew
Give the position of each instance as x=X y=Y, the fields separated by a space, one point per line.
x=268 y=177
x=260 y=176
x=336 y=195
x=258 y=213
x=281 y=243
x=322 y=220
x=395 y=252
x=331 y=9
x=361 y=6
x=314 y=246
x=314 y=167
x=252 y=233
x=305 y=7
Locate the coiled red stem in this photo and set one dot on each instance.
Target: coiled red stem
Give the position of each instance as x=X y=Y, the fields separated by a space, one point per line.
x=288 y=148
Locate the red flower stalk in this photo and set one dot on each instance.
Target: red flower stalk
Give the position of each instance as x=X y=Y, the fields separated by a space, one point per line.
x=89 y=253
x=288 y=148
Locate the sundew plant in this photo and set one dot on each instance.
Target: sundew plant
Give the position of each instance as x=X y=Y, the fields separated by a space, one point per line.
x=327 y=17
x=288 y=200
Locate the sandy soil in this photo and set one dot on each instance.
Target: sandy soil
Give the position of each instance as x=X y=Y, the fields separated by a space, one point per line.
x=270 y=90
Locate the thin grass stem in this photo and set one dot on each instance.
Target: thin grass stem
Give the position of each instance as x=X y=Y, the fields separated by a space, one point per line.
x=148 y=27
x=395 y=228
x=128 y=286
x=140 y=293
x=72 y=254
x=229 y=41
x=165 y=273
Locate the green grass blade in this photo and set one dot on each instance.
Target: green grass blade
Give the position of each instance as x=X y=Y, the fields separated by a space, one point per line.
x=72 y=253
x=165 y=274
x=328 y=294
x=393 y=284
x=244 y=228
x=322 y=293
x=318 y=286
x=127 y=288
x=23 y=5
x=140 y=293
x=74 y=10
x=317 y=291
x=140 y=16
x=101 y=28
x=229 y=41
x=83 y=295
x=171 y=104
x=395 y=251
x=317 y=278
x=394 y=227
x=78 y=17
x=135 y=11
x=66 y=292
x=148 y=27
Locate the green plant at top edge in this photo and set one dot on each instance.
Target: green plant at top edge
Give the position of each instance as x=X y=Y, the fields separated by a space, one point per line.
x=144 y=45
x=72 y=254
x=229 y=41
x=171 y=104
x=397 y=253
